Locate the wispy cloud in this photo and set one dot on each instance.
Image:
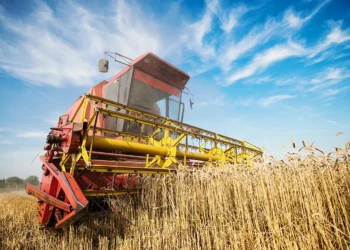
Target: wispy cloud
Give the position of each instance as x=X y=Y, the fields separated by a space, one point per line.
x=292 y=19
x=268 y=101
x=48 y=52
x=261 y=34
x=32 y=134
x=336 y=36
x=334 y=91
x=265 y=59
x=257 y=36
x=330 y=77
x=230 y=20
x=194 y=38
x=261 y=80
x=198 y=30
x=331 y=74
x=244 y=102
x=292 y=49
x=338 y=124
x=5 y=142
x=288 y=26
x=219 y=101
x=295 y=21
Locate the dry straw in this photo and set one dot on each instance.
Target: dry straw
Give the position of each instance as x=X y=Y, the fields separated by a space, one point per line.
x=297 y=203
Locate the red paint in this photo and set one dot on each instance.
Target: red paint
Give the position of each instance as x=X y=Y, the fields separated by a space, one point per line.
x=155 y=83
x=61 y=197
x=63 y=187
x=158 y=68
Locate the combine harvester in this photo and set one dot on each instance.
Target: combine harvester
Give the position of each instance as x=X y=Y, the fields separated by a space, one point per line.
x=128 y=126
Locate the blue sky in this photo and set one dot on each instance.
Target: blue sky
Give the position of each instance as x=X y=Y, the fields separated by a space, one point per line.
x=263 y=71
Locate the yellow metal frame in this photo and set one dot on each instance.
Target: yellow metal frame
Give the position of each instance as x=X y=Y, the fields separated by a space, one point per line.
x=172 y=149
x=108 y=192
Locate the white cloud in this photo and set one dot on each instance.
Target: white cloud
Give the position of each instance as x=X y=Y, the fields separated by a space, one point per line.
x=245 y=102
x=321 y=56
x=261 y=34
x=218 y=101
x=194 y=37
x=41 y=57
x=291 y=18
x=257 y=36
x=197 y=33
x=46 y=51
x=331 y=73
x=338 y=124
x=283 y=51
x=43 y=13
x=295 y=21
x=32 y=134
x=290 y=80
x=265 y=59
x=261 y=102
x=5 y=142
x=330 y=77
x=266 y=102
x=342 y=55
x=336 y=36
x=261 y=79
x=333 y=92
x=230 y=20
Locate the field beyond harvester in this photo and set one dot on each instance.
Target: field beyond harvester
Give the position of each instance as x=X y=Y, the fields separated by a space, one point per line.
x=131 y=125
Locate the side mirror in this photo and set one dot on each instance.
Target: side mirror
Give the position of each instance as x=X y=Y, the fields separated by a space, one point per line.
x=103 y=65
x=191 y=103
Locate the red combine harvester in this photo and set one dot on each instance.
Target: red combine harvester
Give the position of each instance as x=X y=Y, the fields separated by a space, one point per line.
x=128 y=126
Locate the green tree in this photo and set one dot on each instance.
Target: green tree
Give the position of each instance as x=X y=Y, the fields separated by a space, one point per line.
x=2 y=183
x=13 y=181
x=32 y=180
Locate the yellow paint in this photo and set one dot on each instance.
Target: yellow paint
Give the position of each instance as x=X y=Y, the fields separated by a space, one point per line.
x=165 y=151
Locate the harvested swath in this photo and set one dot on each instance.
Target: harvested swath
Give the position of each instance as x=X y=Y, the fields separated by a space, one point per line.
x=297 y=203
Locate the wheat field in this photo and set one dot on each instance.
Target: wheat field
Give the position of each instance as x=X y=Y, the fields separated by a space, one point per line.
x=298 y=203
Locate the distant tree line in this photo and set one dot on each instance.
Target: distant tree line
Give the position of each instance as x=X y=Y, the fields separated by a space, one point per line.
x=16 y=182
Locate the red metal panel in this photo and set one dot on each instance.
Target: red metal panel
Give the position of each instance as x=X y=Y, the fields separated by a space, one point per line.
x=154 y=82
x=32 y=190
x=96 y=90
x=58 y=190
x=157 y=67
x=96 y=181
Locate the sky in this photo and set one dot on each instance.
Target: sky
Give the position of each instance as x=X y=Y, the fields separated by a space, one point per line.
x=269 y=72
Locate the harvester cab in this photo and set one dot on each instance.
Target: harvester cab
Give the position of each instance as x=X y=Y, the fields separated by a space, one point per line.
x=149 y=84
x=128 y=126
